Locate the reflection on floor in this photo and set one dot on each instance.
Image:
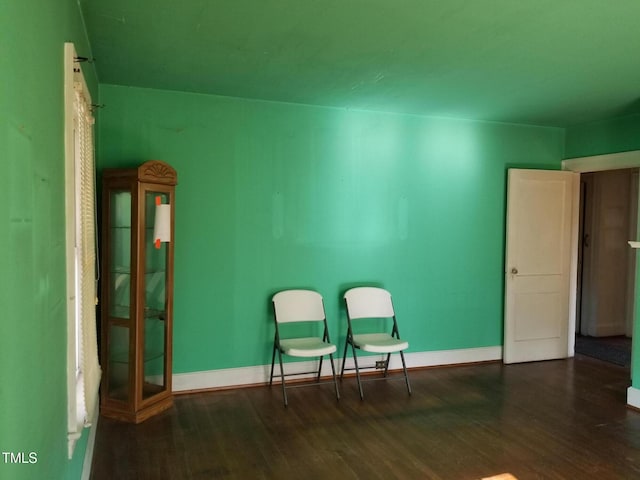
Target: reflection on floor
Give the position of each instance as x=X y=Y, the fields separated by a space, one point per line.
x=615 y=350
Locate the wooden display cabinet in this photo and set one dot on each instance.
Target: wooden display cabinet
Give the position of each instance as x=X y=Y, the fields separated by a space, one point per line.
x=136 y=292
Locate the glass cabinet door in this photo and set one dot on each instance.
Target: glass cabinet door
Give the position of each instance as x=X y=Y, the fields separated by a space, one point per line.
x=155 y=301
x=119 y=307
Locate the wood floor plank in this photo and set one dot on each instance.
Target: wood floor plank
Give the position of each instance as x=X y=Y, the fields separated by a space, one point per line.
x=564 y=419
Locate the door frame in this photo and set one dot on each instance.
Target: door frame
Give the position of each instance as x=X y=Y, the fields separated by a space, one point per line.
x=594 y=163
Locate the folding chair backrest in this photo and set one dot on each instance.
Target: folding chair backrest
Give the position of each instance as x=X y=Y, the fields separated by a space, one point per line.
x=368 y=302
x=298 y=306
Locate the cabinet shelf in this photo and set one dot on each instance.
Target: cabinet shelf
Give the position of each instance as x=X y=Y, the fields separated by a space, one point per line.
x=121 y=312
x=123 y=357
x=121 y=270
x=154 y=313
x=127 y=271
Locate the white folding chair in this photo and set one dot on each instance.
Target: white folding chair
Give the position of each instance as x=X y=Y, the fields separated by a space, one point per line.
x=372 y=303
x=301 y=306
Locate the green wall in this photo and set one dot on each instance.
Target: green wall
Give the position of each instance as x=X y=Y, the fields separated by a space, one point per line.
x=33 y=325
x=275 y=196
x=611 y=136
x=607 y=136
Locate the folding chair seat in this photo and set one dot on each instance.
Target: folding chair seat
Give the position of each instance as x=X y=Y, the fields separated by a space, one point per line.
x=301 y=306
x=372 y=303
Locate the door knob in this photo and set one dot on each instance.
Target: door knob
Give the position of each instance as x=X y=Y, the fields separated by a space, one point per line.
x=514 y=271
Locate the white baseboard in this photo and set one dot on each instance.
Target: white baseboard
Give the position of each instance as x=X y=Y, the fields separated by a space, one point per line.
x=633 y=397
x=234 y=377
x=608 y=330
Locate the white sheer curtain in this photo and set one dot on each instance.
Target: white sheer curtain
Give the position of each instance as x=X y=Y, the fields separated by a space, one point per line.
x=86 y=255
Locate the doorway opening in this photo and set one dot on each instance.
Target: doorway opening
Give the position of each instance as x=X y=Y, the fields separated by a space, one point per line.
x=605 y=299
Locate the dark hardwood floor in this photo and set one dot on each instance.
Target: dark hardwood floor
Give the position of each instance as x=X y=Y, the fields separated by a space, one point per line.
x=564 y=419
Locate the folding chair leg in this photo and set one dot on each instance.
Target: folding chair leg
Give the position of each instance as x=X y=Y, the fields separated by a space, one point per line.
x=319 y=369
x=335 y=381
x=344 y=359
x=273 y=362
x=355 y=361
x=284 y=388
x=404 y=367
x=386 y=364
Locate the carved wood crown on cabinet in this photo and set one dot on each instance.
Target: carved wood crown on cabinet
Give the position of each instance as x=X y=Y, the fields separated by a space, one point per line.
x=157 y=171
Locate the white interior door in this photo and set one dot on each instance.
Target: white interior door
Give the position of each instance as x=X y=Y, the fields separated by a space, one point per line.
x=542 y=227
